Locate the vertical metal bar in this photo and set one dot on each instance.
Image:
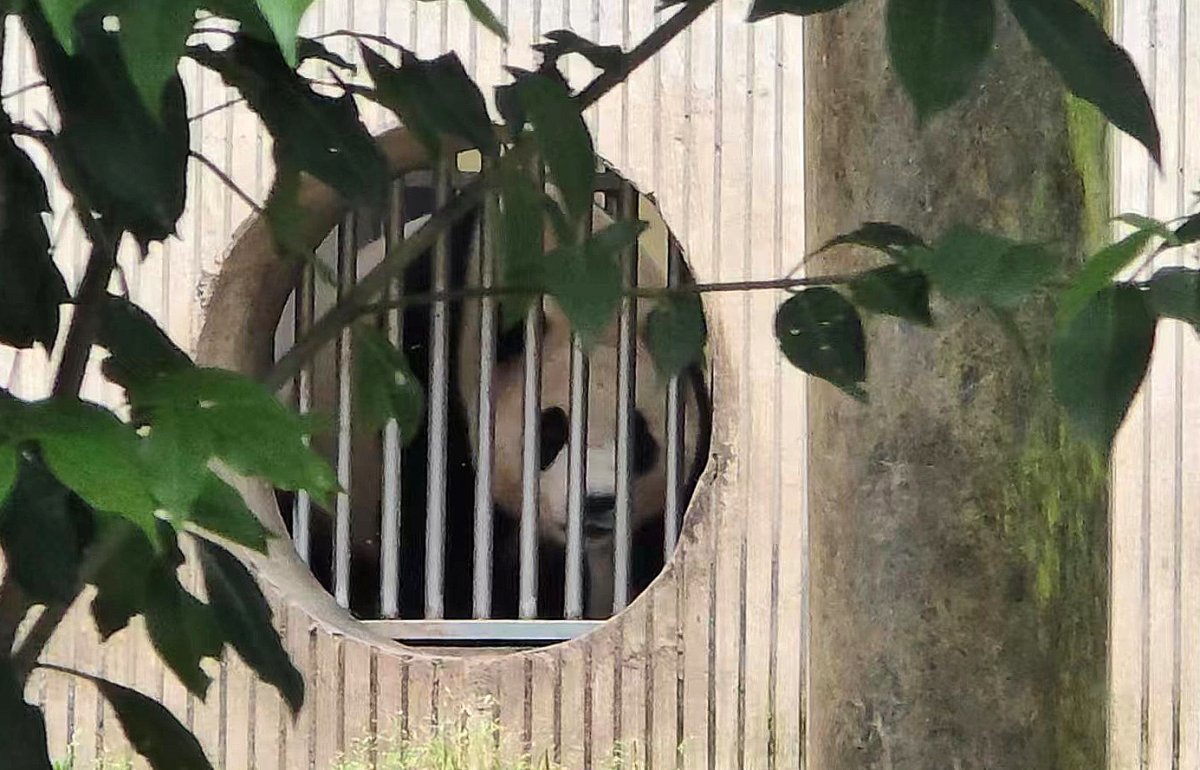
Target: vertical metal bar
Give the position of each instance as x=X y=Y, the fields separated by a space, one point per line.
x=627 y=201
x=576 y=472
x=482 y=598
x=531 y=486
x=389 y=589
x=675 y=426
x=347 y=272
x=531 y=465
x=302 y=506
x=439 y=385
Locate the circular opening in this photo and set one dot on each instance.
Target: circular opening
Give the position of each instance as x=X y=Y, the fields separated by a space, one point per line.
x=446 y=524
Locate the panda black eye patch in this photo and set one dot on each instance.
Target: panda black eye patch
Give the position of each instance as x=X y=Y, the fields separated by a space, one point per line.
x=554 y=431
x=645 y=448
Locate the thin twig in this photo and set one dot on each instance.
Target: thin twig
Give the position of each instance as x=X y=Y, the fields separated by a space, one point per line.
x=380 y=39
x=228 y=180
x=373 y=284
x=24 y=89
x=213 y=110
x=639 y=54
x=642 y=292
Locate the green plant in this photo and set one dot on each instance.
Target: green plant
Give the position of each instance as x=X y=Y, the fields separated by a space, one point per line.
x=90 y=499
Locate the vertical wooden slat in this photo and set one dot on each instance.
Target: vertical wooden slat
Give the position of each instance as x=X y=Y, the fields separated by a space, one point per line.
x=326 y=693
x=1189 y=604
x=572 y=706
x=538 y=728
x=58 y=695
x=511 y=689
x=239 y=718
x=697 y=641
x=662 y=651
x=422 y=676
x=391 y=673
x=605 y=652
x=790 y=483
x=299 y=732
x=88 y=706
x=359 y=693
x=633 y=668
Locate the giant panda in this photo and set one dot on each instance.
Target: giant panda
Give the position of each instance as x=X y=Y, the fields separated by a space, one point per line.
x=649 y=461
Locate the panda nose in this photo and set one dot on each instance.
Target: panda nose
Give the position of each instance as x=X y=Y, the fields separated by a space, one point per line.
x=598 y=512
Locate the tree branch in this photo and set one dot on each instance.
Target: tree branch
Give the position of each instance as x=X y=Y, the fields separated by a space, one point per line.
x=644 y=292
x=358 y=300
x=639 y=54
x=227 y=180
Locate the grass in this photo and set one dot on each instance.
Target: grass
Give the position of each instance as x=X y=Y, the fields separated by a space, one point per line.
x=471 y=743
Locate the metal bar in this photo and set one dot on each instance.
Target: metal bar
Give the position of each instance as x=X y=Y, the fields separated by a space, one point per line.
x=576 y=480
x=483 y=632
x=675 y=426
x=626 y=389
x=439 y=385
x=531 y=466
x=531 y=485
x=302 y=505
x=482 y=599
x=347 y=272
x=389 y=589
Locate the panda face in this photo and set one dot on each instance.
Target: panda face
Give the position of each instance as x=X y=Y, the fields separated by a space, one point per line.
x=649 y=473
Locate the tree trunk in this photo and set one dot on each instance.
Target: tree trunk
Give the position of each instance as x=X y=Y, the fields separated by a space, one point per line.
x=959 y=545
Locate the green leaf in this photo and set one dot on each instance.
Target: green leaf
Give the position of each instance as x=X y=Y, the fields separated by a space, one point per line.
x=1099 y=271
x=1175 y=293
x=563 y=139
x=483 y=14
x=384 y=385
x=182 y=629
x=1094 y=67
x=32 y=287
x=564 y=41
x=284 y=17
x=881 y=236
x=676 y=333
x=8 y=470
x=61 y=15
x=220 y=509
x=96 y=456
x=1100 y=357
x=154 y=34
x=522 y=253
x=122 y=579
x=434 y=98
x=43 y=530
x=762 y=9
x=245 y=618
x=244 y=424
x=973 y=265
x=322 y=135
x=586 y=280
x=1189 y=231
x=129 y=165
x=820 y=332
x=22 y=726
x=151 y=729
x=937 y=48
x=894 y=291
x=138 y=348
x=1155 y=226
x=175 y=457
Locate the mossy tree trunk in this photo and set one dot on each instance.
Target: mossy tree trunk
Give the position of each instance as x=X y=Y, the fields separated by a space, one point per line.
x=959 y=536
